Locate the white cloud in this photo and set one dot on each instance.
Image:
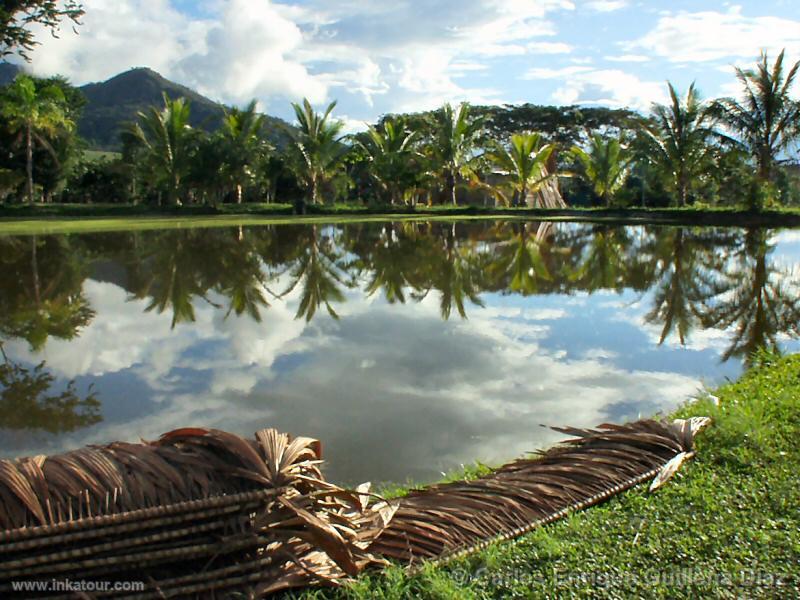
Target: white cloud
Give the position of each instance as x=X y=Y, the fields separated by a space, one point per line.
x=117 y=35
x=246 y=51
x=631 y=58
x=612 y=87
x=710 y=35
x=549 y=48
x=248 y=54
x=606 y=5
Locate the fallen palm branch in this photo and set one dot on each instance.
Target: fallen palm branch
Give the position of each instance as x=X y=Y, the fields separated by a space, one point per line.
x=201 y=512
x=442 y=522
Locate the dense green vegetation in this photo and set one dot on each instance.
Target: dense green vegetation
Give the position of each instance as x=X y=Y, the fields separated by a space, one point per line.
x=183 y=150
x=727 y=527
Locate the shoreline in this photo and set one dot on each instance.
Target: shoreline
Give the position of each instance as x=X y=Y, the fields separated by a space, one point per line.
x=21 y=220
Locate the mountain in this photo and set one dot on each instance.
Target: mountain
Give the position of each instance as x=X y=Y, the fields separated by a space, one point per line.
x=8 y=72
x=118 y=100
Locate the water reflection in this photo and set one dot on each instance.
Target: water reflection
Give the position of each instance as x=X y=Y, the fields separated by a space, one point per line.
x=29 y=402
x=408 y=347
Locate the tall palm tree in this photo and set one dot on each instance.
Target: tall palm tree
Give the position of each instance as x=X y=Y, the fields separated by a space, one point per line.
x=523 y=163
x=321 y=270
x=766 y=117
x=455 y=144
x=35 y=114
x=678 y=142
x=389 y=150
x=687 y=265
x=757 y=299
x=244 y=146
x=605 y=166
x=517 y=263
x=317 y=143
x=167 y=141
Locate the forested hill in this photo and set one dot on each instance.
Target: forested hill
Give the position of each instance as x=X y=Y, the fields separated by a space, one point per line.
x=7 y=72
x=112 y=103
x=118 y=100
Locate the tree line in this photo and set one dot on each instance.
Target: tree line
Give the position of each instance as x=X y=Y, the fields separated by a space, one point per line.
x=730 y=151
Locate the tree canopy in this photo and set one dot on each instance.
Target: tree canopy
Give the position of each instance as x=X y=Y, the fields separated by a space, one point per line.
x=16 y=17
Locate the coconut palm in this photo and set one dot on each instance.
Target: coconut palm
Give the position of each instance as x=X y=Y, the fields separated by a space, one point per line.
x=166 y=141
x=766 y=117
x=605 y=166
x=317 y=145
x=321 y=272
x=678 y=141
x=687 y=266
x=518 y=263
x=389 y=150
x=522 y=164
x=241 y=131
x=757 y=299
x=455 y=144
x=35 y=114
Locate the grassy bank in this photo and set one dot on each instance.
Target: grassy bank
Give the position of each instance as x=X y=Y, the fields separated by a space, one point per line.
x=727 y=527
x=103 y=217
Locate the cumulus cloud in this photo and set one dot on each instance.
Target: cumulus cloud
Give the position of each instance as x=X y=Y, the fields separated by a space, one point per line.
x=244 y=50
x=612 y=87
x=247 y=54
x=117 y=35
x=710 y=35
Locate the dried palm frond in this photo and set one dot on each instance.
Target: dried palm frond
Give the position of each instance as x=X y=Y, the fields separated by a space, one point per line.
x=445 y=521
x=194 y=512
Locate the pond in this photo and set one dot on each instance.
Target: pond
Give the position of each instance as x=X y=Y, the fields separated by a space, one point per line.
x=408 y=348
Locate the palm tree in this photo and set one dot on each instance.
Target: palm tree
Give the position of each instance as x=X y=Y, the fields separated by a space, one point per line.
x=317 y=145
x=766 y=118
x=687 y=265
x=757 y=299
x=35 y=114
x=241 y=131
x=678 y=142
x=167 y=141
x=456 y=141
x=322 y=272
x=605 y=166
x=389 y=150
x=518 y=263
x=523 y=164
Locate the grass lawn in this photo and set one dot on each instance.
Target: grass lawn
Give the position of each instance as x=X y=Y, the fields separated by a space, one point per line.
x=74 y=218
x=728 y=526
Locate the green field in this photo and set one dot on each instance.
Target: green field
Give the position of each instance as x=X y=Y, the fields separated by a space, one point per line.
x=68 y=218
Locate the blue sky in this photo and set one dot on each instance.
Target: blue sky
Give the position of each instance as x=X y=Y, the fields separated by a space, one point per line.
x=406 y=55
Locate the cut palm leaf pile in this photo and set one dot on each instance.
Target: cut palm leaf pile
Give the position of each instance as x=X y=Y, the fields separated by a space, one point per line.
x=202 y=512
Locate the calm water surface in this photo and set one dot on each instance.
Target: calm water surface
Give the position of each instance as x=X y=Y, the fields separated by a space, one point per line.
x=408 y=349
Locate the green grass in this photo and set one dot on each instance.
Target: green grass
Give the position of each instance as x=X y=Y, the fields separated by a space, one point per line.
x=728 y=526
x=73 y=218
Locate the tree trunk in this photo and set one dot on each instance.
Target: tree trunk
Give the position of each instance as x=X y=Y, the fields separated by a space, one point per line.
x=450 y=182
x=37 y=294
x=29 y=161
x=238 y=193
x=314 y=190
